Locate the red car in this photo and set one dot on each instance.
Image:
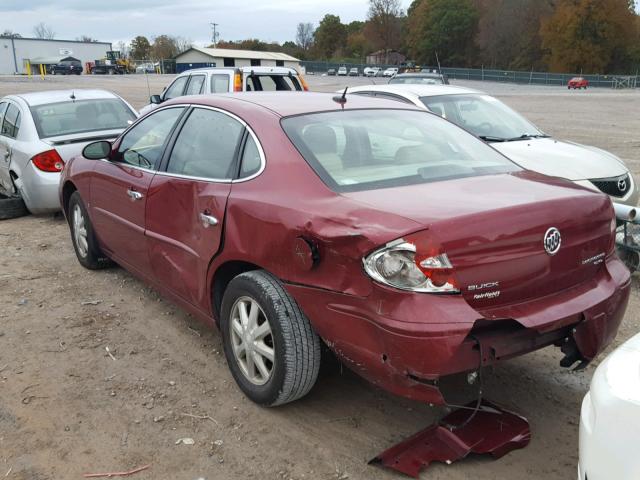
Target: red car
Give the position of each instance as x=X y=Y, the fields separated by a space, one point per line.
x=411 y=248
x=578 y=82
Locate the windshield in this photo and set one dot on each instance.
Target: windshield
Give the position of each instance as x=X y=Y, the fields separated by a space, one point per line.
x=369 y=149
x=67 y=118
x=482 y=115
x=418 y=80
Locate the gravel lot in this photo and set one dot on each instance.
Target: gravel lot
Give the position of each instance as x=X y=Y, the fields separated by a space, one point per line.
x=68 y=406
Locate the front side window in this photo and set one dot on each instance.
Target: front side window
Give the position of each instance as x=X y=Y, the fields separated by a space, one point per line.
x=142 y=146
x=370 y=149
x=81 y=116
x=11 y=122
x=195 y=85
x=482 y=115
x=3 y=108
x=206 y=146
x=176 y=88
x=219 y=83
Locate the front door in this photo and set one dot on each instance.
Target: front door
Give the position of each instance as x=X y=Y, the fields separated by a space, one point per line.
x=120 y=188
x=185 y=213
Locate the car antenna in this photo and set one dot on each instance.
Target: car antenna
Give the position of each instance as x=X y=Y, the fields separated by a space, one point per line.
x=73 y=96
x=341 y=99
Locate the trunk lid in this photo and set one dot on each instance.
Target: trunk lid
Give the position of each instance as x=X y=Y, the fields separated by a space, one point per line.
x=493 y=229
x=69 y=146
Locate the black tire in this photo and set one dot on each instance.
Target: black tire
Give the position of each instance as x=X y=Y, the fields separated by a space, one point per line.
x=296 y=346
x=91 y=257
x=12 y=207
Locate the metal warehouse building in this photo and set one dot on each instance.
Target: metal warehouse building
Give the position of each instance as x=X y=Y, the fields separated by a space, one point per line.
x=197 y=57
x=15 y=53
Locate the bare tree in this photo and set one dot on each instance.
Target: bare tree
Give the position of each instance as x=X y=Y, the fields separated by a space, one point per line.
x=86 y=38
x=182 y=44
x=384 y=20
x=304 y=35
x=43 y=31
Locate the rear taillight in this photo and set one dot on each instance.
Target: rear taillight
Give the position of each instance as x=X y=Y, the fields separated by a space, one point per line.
x=305 y=87
x=398 y=265
x=237 y=82
x=49 y=161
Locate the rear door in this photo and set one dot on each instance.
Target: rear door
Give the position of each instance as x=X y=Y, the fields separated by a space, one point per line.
x=120 y=186
x=185 y=214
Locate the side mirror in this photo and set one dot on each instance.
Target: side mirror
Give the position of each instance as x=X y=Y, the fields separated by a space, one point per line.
x=155 y=99
x=97 y=150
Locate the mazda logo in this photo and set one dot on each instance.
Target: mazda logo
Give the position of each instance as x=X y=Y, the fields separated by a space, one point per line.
x=622 y=184
x=552 y=241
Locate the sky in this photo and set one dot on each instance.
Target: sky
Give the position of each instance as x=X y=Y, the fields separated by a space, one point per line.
x=122 y=20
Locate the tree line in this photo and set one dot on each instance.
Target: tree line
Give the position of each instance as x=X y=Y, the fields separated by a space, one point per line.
x=592 y=36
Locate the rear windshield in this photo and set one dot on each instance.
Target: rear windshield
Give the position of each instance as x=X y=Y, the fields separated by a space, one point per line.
x=368 y=149
x=271 y=82
x=67 y=118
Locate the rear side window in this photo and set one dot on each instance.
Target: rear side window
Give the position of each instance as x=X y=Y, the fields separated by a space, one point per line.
x=142 y=146
x=206 y=146
x=251 y=160
x=176 y=88
x=3 y=108
x=11 y=122
x=219 y=83
x=195 y=85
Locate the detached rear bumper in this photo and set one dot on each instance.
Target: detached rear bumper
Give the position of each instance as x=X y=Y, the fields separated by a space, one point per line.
x=405 y=342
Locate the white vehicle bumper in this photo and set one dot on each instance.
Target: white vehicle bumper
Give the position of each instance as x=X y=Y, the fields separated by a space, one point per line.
x=39 y=190
x=610 y=420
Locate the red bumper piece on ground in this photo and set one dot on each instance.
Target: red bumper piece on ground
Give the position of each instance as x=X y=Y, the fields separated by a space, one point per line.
x=491 y=431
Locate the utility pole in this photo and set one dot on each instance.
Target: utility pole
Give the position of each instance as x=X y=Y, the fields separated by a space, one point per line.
x=214 y=34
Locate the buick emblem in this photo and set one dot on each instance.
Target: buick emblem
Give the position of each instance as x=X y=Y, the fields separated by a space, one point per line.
x=622 y=184
x=552 y=241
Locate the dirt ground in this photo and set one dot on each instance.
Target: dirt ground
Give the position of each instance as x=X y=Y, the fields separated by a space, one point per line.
x=98 y=373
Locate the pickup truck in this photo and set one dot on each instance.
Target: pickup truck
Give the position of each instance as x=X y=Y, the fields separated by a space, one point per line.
x=224 y=80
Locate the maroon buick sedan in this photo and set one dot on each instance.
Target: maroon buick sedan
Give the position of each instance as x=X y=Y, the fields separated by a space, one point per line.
x=410 y=248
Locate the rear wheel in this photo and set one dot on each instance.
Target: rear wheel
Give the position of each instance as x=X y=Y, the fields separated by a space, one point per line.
x=12 y=207
x=272 y=350
x=84 y=240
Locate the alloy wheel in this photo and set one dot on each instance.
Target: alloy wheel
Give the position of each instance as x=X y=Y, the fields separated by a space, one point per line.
x=80 y=231
x=252 y=340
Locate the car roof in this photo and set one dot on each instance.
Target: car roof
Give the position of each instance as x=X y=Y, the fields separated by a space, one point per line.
x=419 y=74
x=56 y=96
x=286 y=104
x=415 y=89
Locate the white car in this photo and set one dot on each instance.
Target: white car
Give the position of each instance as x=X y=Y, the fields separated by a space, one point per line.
x=41 y=131
x=610 y=418
x=390 y=72
x=516 y=137
x=228 y=80
x=342 y=71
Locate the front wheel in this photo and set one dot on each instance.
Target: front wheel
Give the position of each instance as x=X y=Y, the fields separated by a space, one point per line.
x=84 y=240
x=272 y=350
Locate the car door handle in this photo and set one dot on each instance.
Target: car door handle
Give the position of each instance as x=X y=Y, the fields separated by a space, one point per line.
x=134 y=195
x=7 y=154
x=208 y=220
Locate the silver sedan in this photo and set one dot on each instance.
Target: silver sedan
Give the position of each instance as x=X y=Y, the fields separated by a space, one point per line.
x=41 y=131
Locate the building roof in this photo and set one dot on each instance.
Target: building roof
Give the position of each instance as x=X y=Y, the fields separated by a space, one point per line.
x=248 y=54
x=19 y=39
x=51 y=60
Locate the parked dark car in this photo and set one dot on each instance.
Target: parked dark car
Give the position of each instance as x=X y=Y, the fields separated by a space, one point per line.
x=67 y=67
x=410 y=247
x=331 y=71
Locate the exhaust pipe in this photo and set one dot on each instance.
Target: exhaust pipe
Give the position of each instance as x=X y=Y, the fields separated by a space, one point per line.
x=625 y=212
